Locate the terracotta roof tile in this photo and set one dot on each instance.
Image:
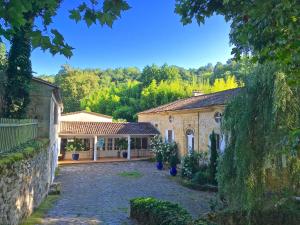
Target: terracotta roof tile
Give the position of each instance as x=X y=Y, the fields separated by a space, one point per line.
x=107 y=128
x=217 y=98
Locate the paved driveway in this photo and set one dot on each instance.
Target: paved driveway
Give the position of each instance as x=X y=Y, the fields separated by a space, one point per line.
x=97 y=194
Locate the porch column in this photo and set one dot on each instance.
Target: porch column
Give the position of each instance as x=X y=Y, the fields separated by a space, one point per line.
x=95 y=148
x=128 y=148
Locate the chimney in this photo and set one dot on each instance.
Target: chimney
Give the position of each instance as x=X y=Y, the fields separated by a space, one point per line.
x=197 y=93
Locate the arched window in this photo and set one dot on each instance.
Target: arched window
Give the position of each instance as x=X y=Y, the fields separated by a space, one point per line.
x=190 y=140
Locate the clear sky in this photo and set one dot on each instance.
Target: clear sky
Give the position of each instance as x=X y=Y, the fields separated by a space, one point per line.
x=149 y=33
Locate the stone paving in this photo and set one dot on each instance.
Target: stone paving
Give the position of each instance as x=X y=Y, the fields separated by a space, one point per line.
x=97 y=194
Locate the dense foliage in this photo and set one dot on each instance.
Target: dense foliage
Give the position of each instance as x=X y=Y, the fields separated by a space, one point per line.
x=26 y=24
x=38 y=15
x=150 y=211
x=269 y=29
x=262 y=124
x=190 y=164
x=19 y=76
x=124 y=92
x=259 y=124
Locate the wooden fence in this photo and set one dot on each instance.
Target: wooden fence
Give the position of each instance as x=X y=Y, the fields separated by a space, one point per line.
x=14 y=132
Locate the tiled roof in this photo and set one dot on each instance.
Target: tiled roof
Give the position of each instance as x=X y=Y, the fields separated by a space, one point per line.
x=106 y=128
x=217 y=98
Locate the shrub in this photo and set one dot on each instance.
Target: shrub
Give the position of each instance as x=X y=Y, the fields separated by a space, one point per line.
x=190 y=165
x=201 y=177
x=151 y=211
x=163 y=151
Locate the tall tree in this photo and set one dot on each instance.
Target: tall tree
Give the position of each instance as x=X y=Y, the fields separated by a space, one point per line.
x=269 y=30
x=258 y=124
x=75 y=85
x=21 y=29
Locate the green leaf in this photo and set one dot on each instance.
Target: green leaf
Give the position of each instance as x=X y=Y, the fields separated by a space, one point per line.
x=75 y=15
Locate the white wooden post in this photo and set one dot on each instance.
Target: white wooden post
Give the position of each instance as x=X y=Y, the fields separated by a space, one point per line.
x=128 y=147
x=95 y=148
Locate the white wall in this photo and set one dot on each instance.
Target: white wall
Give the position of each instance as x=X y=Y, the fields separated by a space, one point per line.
x=85 y=117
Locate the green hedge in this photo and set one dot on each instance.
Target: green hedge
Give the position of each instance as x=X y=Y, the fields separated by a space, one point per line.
x=24 y=152
x=150 y=211
x=286 y=214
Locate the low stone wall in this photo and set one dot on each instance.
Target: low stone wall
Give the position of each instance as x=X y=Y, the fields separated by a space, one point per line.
x=24 y=181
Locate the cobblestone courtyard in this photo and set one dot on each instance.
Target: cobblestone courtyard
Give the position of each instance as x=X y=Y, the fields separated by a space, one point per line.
x=97 y=194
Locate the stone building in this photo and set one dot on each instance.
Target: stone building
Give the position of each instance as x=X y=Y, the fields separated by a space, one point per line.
x=46 y=106
x=189 y=122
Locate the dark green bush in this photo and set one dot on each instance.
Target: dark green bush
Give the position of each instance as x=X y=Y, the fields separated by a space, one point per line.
x=201 y=177
x=285 y=214
x=151 y=211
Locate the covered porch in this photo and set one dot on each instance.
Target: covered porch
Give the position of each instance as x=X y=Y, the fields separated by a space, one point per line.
x=103 y=141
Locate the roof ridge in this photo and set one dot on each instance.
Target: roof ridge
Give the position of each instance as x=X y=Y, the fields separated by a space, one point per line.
x=204 y=97
x=84 y=111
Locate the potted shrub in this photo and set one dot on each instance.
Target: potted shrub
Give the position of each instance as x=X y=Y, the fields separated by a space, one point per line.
x=124 y=154
x=159 y=159
x=173 y=164
x=74 y=147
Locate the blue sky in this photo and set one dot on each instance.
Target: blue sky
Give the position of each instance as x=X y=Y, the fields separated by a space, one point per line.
x=149 y=33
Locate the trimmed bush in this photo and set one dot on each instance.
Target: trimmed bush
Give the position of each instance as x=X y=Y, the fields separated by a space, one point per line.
x=151 y=211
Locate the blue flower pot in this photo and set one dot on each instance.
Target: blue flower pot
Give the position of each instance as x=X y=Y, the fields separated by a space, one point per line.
x=159 y=165
x=173 y=171
x=75 y=156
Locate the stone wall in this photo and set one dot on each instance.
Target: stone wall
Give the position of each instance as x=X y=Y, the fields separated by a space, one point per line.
x=200 y=121
x=24 y=182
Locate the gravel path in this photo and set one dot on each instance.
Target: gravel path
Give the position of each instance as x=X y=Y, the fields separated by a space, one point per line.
x=97 y=194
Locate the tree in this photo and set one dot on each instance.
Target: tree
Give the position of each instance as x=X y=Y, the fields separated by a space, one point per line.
x=259 y=125
x=213 y=158
x=268 y=29
x=19 y=75
x=18 y=14
x=75 y=85
x=23 y=32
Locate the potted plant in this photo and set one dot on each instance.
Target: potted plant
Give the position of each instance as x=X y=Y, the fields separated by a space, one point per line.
x=173 y=164
x=159 y=159
x=124 y=154
x=75 y=146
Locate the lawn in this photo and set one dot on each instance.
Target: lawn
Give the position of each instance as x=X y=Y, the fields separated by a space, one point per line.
x=38 y=215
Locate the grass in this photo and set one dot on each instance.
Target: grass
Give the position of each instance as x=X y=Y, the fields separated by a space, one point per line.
x=131 y=174
x=38 y=215
x=57 y=170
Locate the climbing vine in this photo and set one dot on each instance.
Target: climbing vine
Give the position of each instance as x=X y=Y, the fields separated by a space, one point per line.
x=259 y=124
x=19 y=75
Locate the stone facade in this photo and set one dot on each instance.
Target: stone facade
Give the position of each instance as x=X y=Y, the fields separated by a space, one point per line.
x=200 y=121
x=45 y=106
x=23 y=185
